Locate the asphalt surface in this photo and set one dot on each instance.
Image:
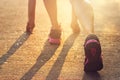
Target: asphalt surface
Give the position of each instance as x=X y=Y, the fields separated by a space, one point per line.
x=31 y=57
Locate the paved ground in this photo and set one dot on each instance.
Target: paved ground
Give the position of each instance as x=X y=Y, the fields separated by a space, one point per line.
x=26 y=57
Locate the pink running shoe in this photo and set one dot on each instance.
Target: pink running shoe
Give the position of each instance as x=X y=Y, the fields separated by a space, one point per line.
x=54 y=36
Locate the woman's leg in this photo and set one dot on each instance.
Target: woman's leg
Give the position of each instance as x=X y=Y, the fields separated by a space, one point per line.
x=51 y=7
x=55 y=33
x=84 y=13
x=31 y=15
x=74 y=24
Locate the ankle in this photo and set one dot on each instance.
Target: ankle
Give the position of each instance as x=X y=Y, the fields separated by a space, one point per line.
x=31 y=24
x=56 y=27
x=74 y=22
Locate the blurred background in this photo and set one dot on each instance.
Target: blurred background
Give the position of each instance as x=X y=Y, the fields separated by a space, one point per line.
x=15 y=12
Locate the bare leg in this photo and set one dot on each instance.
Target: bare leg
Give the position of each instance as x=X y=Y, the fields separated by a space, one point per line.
x=74 y=24
x=55 y=33
x=51 y=7
x=84 y=13
x=31 y=15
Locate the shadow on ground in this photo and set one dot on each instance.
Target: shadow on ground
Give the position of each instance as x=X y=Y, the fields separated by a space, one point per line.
x=57 y=67
x=19 y=42
x=47 y=52
x=91 y=76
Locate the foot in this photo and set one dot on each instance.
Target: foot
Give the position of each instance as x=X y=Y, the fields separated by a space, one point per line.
x=75 y=28
x=29 y=28
x=54 y=36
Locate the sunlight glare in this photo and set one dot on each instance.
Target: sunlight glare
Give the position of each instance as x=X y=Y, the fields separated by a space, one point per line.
x=88 y=1
x=64 y=11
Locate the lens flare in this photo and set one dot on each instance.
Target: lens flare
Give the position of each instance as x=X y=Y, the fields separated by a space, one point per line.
x=88 y=1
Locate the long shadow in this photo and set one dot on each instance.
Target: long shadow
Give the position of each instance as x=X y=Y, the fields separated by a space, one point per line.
x=91 y=76
x=19 y=42
x=47 y=52
x=56 y=69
